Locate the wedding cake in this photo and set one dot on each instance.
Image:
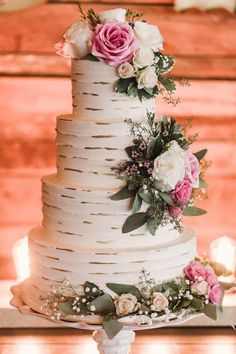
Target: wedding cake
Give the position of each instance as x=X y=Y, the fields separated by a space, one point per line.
x=112 y=211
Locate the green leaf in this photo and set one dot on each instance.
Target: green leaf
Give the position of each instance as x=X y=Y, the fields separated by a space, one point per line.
x=146 y=196
x=90 y=289
x=210 y=311
x=137 y=204
x=120 y=289
x=112 y=328
x=171 y=285
x=158 y=288
x=124 y=193
x=168 y=84
x=66 y=307
x=152 y=225
x=185 y=303
x=103 y=304
x=129 y=150
x=123 y=84
x=155 y=147
x=91 y=57
x=193 y=211
x=197 y=304
x=134 y=221
x=200 y=154
x=167 y=198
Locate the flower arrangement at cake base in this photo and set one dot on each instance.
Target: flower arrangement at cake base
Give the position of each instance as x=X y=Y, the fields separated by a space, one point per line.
x=147 y=304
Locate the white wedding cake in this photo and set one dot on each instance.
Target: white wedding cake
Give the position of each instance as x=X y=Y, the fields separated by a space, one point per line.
x=124 y=177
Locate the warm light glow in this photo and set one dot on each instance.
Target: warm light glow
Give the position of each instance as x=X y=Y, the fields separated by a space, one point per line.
x=159 y=348
x=21 y=259
x=223 y=250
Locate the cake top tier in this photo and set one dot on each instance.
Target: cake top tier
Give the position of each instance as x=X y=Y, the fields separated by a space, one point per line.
x=127 y=45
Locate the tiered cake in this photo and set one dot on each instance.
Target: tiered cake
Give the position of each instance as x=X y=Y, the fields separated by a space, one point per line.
x=81 y=236
x=112 y=248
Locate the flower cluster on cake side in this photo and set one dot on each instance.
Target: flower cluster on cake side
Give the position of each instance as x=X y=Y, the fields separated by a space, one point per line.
x=197 y=290
x=162 y=176
x=123 y=39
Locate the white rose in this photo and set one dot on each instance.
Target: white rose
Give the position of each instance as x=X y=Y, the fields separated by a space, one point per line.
x=143 y=57
x=126 y=70
x=148 y=35
x=78 y=35
x=147 y=78
x=169 y=168
x=200 y=287
x=126 y=304
x=113 y=15
x=160 y=301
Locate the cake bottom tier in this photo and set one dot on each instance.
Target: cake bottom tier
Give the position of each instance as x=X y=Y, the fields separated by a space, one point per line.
x=51 y=263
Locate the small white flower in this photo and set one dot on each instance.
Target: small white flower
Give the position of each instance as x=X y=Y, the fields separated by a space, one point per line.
x=126 y=70
x=160 y=301
x=169 y=168
x=126 y=304
x=148 y=35
x=94 y=290
x=115 y=15
x=143 y=57
x=147 y=78
x=87 y=290
x=83 y=300
x=78 y=309
x=187 y=281
x=77 y=39
x=92 y=308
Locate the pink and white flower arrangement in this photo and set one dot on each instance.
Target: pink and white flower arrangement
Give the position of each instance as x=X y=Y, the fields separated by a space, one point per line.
x=117 y=37
x=204 y=282
x=162 y=173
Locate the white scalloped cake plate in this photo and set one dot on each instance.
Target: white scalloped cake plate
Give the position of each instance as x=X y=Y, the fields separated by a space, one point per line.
x=86 y=322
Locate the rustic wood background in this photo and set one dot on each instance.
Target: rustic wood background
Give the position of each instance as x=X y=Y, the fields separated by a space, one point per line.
x=35 y=88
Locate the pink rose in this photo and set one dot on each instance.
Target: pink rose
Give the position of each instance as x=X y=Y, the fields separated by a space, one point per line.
x=215 y=294
x=175 y=211
x=194 y=270
x=113 y=42
x=182 y=191
x=192 y=169
x=211 y=278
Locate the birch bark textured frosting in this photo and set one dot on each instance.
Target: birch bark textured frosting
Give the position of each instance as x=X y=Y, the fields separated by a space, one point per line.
x=81 y=234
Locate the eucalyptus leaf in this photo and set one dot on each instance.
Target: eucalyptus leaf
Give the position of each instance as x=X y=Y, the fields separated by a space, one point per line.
x=210 y=311
x=120 y=289
x=134 y=221
x=167 y=198
x=145 y=195
x=158 y=288
x=197 y=304
x=112 y=327
x=152 y=225
x=89 y=289
x=103 y=304
x=193 y=211
x=171 y=285
x=124 y=193
x=137 y=204
x=200 y=154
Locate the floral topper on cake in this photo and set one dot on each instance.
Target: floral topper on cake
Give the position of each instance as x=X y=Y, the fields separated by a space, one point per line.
x=121 y=38
x=162 y=176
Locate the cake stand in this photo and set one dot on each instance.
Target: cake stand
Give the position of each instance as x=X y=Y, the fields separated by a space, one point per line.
x=121 y=343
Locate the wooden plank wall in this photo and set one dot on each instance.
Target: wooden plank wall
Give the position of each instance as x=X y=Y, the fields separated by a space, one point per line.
x=35 y=87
